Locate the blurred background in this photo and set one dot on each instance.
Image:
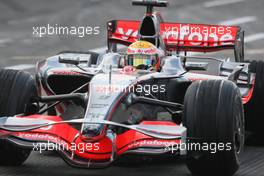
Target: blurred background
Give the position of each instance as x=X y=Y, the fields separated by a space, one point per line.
x=20 y=49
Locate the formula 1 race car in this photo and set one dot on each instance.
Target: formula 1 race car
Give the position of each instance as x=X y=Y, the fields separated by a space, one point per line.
x=152 y=99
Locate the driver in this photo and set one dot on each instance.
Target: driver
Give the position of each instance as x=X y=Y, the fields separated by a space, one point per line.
x=143 y=55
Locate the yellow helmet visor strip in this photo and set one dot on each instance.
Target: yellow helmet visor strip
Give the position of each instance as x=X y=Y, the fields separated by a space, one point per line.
x=140 y=59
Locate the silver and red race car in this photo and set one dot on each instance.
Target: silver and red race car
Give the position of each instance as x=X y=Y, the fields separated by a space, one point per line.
x=93 y=108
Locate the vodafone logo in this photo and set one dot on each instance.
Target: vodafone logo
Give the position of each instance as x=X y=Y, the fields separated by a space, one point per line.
x=199 y=35
x=156 y=143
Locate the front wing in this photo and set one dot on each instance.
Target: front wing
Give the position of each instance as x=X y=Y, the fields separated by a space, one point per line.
x=41 y=132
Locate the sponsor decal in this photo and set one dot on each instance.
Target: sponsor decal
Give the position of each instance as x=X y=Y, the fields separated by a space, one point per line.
x=152 y=143
x=198 y=35
x=183 y=34
x=42 y=137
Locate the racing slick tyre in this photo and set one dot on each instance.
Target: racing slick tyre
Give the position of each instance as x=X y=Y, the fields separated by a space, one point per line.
x=213 y=116
x=254 y=108
x=17 y=88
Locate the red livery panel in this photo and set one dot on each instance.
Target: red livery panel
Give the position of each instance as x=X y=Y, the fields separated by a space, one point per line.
x=179 y=36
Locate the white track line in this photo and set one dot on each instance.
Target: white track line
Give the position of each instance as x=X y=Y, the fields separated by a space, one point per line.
x=220 y=3
x=255 y=51
x=30 y=66
x=21 y=67
x=100 y=49
x=254 y=37
x=28 y=57
x=3 y=42
x=238 y=21
x=6 y=40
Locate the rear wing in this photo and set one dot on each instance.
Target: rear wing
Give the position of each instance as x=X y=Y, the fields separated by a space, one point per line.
x=182 y=37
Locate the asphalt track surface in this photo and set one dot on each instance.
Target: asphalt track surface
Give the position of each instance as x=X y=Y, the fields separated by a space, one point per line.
x=19 y=49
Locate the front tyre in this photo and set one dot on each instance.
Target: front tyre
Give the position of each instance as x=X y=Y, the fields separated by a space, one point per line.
x=254 y=108
x=17 y=89
x=213 y=114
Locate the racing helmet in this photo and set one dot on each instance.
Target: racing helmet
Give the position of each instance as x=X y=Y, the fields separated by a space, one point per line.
x=142 y=55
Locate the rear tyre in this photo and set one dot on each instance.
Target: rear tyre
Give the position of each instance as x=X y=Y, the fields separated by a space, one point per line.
x=17 y=89
x=213 y=116
x=254 y=108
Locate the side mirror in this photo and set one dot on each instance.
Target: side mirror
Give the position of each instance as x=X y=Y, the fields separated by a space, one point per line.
x=76 y=59
x=202 y=66
x=69 y=60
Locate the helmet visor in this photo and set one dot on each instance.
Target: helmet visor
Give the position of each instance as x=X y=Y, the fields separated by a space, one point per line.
x=141 y=59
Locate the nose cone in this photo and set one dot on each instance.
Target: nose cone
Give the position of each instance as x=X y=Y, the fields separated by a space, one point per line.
x=91 y=132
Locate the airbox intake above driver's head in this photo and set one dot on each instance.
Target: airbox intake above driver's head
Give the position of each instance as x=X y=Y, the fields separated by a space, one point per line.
x=148 y=30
